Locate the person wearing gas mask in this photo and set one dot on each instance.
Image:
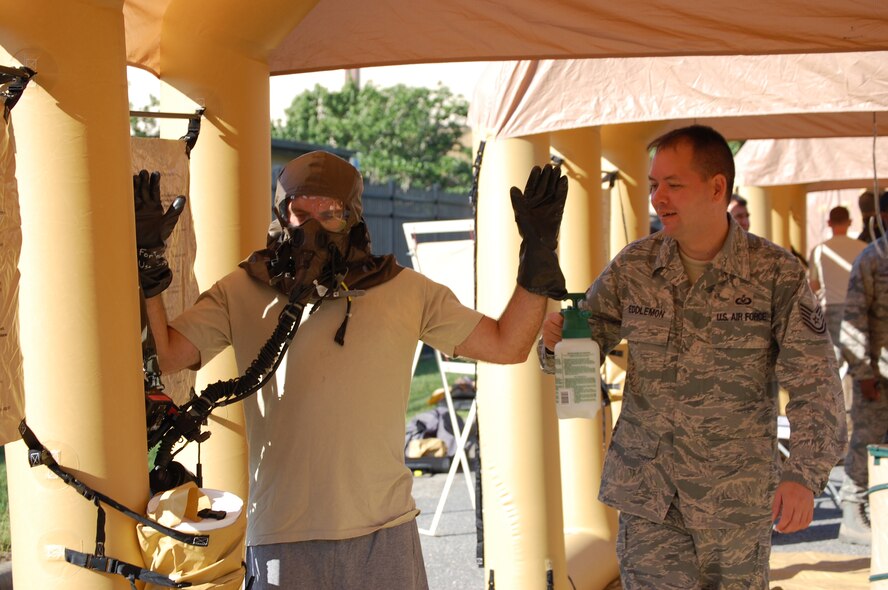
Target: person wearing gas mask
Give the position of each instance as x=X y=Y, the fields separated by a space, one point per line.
x=330 y=501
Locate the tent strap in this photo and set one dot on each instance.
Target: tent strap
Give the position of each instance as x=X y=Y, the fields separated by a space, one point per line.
x=190 y=137
x=12 y=84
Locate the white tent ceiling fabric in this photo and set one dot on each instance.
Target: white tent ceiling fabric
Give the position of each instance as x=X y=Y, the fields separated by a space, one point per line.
x=742 y=96
x=753 y=70
x=820 y=164
x=337 y=34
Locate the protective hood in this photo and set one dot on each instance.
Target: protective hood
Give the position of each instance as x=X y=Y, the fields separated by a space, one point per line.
x=288 y=262
x=318 y=174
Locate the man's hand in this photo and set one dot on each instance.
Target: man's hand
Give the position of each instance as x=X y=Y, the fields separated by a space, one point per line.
x=538 y=212
x=794 y=503
x=869 y=388
x=153 y=227
x=552 y=326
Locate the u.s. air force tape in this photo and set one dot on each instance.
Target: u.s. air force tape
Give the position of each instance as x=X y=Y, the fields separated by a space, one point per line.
x=813 y=317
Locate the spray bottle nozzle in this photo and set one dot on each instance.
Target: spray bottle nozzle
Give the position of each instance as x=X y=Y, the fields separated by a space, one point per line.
x=576 y=317
x=576 y=299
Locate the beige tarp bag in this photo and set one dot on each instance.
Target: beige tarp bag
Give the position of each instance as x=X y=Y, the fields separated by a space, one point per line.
x=219 y=565
x=12 y=397
x=878 y=501
x=426 y=447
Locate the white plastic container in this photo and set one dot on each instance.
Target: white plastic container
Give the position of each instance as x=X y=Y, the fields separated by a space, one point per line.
x=577 y=366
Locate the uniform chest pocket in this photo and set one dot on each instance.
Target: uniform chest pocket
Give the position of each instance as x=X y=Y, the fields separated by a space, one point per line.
x=645 y=331
x=740 y=328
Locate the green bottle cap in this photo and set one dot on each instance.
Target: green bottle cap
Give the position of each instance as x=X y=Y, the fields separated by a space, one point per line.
x=576 y=320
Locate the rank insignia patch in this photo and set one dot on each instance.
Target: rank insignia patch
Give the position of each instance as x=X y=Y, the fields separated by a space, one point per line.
x=813 y=318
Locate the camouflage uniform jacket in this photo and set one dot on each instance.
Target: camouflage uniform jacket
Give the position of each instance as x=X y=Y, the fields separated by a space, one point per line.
x=698 y=418
x=864 y=335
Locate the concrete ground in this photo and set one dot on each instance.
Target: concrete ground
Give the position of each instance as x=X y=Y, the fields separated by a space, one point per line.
x=450 y=554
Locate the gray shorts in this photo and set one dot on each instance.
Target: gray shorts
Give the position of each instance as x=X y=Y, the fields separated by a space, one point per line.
x=388 y=558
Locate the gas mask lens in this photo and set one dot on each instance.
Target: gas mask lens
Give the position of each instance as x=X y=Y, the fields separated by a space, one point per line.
x=330 y=213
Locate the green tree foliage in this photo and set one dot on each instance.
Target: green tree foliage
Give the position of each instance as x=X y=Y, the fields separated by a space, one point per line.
x=407 y=135
x=144 y=126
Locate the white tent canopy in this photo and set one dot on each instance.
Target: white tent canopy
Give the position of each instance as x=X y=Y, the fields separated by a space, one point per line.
x=355 y=33
x=807 y=95
x=820 y=164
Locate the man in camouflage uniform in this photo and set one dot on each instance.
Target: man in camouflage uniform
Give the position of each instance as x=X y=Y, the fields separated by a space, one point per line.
x=864 y=342
x=710 y=312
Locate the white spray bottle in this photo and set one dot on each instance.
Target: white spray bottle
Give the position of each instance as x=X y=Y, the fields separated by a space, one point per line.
x=577 y=362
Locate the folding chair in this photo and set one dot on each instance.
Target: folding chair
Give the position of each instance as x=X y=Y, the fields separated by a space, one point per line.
x=449 y=262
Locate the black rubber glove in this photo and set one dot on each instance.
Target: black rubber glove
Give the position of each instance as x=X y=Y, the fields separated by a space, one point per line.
x=153 y=227
x=538 y=214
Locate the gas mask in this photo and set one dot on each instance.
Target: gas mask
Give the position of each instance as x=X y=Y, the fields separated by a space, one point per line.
x=310 y=256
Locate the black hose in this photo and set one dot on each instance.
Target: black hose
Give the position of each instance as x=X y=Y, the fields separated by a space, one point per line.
x=186 y=424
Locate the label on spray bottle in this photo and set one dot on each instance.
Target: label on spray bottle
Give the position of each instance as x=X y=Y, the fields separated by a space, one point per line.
x=577 y=378
x=577 y=362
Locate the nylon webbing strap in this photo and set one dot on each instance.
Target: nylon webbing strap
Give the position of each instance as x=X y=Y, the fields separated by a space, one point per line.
x=129 y=571
x=100 y=529
x=39 y=455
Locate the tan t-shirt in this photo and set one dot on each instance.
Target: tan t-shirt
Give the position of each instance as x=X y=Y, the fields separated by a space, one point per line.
x=830 y=264
x=326 y=434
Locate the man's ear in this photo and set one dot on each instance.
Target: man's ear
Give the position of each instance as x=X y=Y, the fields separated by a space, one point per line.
x=720 y=188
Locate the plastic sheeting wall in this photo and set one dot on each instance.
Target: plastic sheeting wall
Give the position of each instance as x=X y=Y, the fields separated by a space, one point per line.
x=168 y=157
x=12 y=404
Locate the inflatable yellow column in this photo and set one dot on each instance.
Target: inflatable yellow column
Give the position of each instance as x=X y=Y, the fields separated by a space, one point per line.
x=220 y=66
x=616 y=197
x=589 y=526
x=215 y=203
x=79 y=308
x=788 y=216
x=780 y=212
x=798 y=219
x=760 y=206
x=523 y=530
x=625 y=146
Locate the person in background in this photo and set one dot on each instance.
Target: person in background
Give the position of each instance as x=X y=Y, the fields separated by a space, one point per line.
x=828 y=273
x=330 y=505
x=864 y=344
x=711 y=313
x=830 y=268
x=867 y=204
x=737 y=207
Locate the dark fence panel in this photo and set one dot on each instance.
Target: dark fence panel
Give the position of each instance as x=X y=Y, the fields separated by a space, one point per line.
x=387 y=207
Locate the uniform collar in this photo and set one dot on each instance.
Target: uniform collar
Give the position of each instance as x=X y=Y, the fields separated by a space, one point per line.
x=732 y=259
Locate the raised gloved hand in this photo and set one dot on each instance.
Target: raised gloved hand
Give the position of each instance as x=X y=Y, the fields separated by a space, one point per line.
x=538 y=214
x=153 y=227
